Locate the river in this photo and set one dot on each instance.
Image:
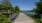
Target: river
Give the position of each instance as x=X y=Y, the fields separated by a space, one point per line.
x=29 y=12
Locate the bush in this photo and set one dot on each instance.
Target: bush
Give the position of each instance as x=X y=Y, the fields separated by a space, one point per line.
x=4 y=19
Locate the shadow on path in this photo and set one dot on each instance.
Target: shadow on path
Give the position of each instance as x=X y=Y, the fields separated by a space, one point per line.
x=13 y=19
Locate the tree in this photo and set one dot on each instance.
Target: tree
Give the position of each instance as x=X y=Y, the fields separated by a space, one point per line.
x=17 y=9
x=41 y=0
x=38 y=8
x=7 y=5
x=0 y=7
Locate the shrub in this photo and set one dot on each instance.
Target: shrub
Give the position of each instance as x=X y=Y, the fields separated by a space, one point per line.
x=4 y=19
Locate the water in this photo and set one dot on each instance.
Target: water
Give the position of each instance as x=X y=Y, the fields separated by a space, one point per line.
x=29 y=12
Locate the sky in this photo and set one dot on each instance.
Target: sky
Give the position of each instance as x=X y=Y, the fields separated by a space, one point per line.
x=24 y=4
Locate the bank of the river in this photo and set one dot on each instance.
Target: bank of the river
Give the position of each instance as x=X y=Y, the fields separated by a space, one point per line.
x=25 y=12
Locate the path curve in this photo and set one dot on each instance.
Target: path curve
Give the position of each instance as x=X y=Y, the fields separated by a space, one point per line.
x=23 y=18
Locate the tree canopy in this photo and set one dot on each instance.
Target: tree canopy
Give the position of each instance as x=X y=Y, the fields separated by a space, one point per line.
x=5 y=6
x=39 y=7
x=17 y=9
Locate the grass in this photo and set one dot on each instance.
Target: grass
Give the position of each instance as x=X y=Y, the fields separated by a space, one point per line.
x=36 y=19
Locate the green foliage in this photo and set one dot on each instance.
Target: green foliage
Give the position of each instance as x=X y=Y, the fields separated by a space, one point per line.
x=39 y=8
x=1 y=7
x=41 y=0
x=7 y=4
x=17 y=9
x=4 y=19
x=38 y=11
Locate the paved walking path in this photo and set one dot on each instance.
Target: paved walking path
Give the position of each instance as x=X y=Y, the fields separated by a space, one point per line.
x=23 y=18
